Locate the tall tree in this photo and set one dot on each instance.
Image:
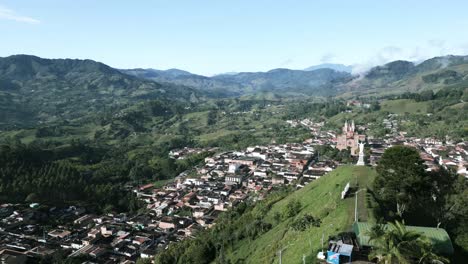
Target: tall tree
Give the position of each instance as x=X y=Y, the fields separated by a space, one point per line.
x=402 y=182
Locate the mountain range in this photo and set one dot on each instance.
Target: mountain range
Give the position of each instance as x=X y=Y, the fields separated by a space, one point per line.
x=284 y=81
x=34 y=89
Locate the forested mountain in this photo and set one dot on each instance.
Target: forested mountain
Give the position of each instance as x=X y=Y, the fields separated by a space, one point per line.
x=35 y=90
x=317 y=82
x=325 y=80
x=404 y=76
x=211 y=86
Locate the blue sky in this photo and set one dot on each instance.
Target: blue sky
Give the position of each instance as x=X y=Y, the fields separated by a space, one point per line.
x=209 y=37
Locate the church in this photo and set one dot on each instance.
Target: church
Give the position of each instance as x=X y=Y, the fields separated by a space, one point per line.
x=349 y=138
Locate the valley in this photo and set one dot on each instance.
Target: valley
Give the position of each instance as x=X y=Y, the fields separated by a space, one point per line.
x=79 y=161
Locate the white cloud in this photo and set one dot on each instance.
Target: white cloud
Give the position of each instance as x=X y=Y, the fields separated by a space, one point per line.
x=384 y=55
x=417 y=54
x=327 y=57
x=8 y=14
x=286 y=62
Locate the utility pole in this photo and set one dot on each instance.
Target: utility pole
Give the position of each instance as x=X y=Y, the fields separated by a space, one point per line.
x=355 y=205
x=280 y=253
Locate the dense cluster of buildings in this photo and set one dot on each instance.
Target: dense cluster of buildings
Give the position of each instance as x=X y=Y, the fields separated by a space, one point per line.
x=174 y=212
x=434 y=152
x=196 y=197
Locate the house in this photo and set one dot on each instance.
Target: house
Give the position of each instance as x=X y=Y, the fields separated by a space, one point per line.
x=59 y=234
x=231 y=179
x=140 y=240
x=220 y=207
x=166 y=223
x=107 y=231
x=9 y=256
x=83 y=219
x=277 y=179
x=147 y=253
x=462 y=170
x=162 y=209
x=41 y=251
x=97 y=252
x=314 y=173
x=94 y=233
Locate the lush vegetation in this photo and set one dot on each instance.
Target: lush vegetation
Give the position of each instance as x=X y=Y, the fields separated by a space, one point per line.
x=253 y=233
x=78 y=132
x=404 y=191
x=80 y=174
x=401 y=191
x=35 y=90
x=399 y=245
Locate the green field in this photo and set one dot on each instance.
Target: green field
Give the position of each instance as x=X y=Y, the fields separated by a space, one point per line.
x=321 y=199
x=402 y=106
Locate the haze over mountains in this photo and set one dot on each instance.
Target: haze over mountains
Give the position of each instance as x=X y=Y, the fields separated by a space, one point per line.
x=333 y=66
x=325 y=79
x=34 y=89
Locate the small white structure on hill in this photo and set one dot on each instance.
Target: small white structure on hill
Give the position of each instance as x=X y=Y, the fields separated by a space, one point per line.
x=361 y=155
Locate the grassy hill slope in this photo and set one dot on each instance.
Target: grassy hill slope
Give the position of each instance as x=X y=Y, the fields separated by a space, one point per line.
x=402 y=106
x=320 y=199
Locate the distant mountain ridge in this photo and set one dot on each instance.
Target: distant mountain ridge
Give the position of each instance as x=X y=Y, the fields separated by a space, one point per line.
x=333 y=66
x=404 y=76
x=293 y=82
x=34 y=89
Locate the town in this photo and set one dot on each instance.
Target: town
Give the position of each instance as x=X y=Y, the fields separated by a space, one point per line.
x=191 y=202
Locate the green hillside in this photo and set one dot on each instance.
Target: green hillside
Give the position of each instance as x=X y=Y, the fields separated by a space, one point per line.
x=320 y=199
x=35 y=91
x=403 y=76
x=402 y=106
x=254 y=234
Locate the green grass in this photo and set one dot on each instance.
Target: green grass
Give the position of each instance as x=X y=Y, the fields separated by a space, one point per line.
x=402 y=106
x=458 y=106
x=321 y=199
x=161 y=183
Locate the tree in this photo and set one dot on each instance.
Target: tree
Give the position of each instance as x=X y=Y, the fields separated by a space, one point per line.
x=402 y=182
x=445 y=198
x=143 y=261
x=396 y=244
x=32 y=197
x=292 y=208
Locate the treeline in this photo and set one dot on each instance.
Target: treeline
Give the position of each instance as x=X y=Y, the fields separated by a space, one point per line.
x=450 y=95
x=82 y=174
x=405 y=191
x=306 y=109
x=30 y=174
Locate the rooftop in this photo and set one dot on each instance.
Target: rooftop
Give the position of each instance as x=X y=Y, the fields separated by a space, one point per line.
x=438 y=236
